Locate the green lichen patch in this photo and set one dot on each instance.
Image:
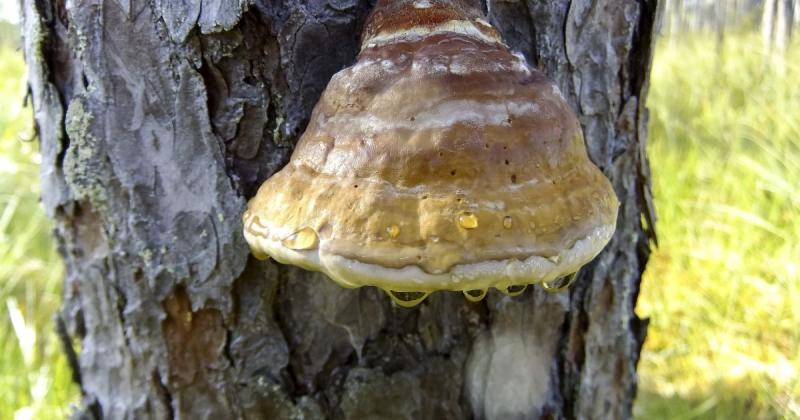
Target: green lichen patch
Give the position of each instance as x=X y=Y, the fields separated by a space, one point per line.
x=84 y=162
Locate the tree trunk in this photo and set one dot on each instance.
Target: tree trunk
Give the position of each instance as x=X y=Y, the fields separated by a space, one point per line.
x=158 y=119
x=783 y=27
x=777 y=22
x=720 y=23
x=768 y=23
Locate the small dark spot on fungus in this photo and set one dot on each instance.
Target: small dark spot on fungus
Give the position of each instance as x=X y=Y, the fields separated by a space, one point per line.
x=412 y=118
x=486 y=145
x=425 y=197
x=453 y=172
x=507 y=162
x=513 y=178
x=441 y=154
x=355 y=186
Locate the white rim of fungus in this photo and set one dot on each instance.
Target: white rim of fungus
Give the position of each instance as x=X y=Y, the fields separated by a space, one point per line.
x=462 y=27
x=499 y=274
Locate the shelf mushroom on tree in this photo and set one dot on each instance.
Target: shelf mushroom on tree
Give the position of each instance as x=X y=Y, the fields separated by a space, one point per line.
x=439 y=161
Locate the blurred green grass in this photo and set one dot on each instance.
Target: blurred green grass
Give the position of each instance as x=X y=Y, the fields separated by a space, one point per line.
x=724 y=340
x=34 y=377
x=723 y=289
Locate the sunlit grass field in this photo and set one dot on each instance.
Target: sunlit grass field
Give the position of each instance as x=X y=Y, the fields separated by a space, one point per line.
x=724 y=340
x=723 y=290
x=34 y=378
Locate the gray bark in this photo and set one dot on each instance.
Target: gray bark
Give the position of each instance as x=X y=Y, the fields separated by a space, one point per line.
x=159 y=118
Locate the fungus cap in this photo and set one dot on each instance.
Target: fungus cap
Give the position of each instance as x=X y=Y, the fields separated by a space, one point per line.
x=439 y=161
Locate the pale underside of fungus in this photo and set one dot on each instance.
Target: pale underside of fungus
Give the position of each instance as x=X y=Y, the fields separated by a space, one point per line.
x=439 y=161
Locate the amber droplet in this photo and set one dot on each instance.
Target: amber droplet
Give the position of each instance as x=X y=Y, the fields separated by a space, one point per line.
x=305 y=238
x=507 y=222
x=514 y=290
x=560 y=284
x=475 y=295
x=393 y=231
x=407 y=299
x=259 y=255
x=468 y=220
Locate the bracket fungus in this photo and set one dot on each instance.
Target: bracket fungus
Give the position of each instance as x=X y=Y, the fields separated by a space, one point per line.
x=439 y=161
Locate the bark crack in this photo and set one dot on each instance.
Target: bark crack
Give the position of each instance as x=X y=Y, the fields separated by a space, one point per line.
x=288 y=378
x=164 y=393
x=69 y=351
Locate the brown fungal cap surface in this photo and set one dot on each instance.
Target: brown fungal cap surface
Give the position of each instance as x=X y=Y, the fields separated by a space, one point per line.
x=405 y=19
x=439 y=161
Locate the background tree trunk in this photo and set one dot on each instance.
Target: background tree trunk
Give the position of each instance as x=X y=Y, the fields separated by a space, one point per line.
x=777 y=23
x=159 y=118
x=784 y=24
x=768 y=23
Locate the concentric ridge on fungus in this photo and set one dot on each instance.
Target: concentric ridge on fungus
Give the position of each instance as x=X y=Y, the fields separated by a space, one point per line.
x=439 y=161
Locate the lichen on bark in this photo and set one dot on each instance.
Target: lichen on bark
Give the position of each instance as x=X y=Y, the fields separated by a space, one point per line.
x=84 y=159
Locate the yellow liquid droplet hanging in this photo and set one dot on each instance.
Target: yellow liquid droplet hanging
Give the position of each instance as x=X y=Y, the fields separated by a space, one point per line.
x=393 y=231
x=407 y=299
x=305 y=238
x=468 y=220
x=515 y=290
x=507 y=222
x=261 y=256
x=560 y=284
x=475 y=295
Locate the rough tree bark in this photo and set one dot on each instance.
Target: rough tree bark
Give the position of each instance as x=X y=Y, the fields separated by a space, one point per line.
x=159 y=118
